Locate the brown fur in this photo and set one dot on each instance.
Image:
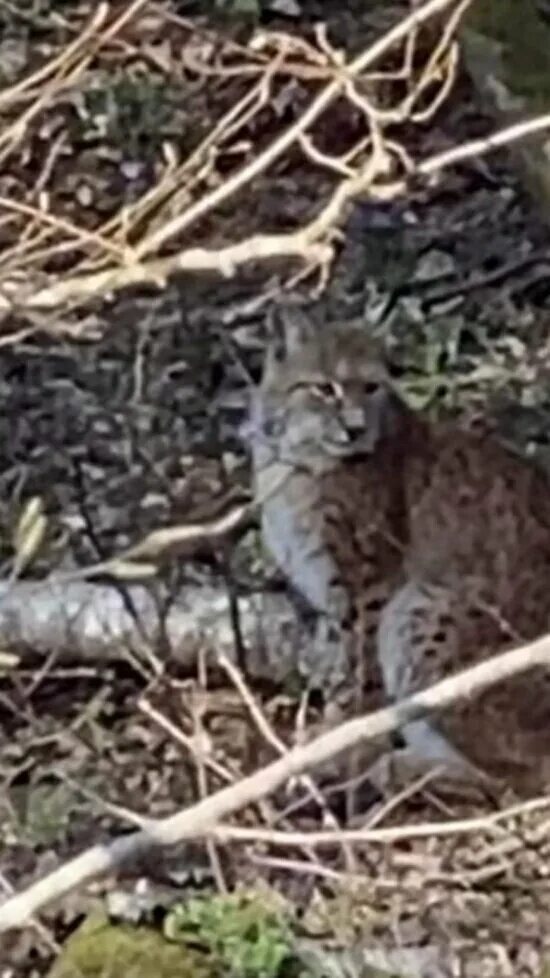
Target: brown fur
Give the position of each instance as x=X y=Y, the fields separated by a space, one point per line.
x=439 y=538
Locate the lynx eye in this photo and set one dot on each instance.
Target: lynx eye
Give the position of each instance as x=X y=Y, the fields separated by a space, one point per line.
x=371 y=387
x=326 y=390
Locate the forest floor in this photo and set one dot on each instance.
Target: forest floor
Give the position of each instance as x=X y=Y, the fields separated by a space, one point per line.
x=135 y=426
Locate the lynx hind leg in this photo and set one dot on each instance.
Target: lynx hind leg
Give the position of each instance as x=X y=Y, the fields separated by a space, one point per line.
x=417 y=646
x=417 y=639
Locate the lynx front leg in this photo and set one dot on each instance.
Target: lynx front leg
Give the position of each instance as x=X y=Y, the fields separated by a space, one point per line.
x=292 y=532
x=328 y=660
x=295 y=542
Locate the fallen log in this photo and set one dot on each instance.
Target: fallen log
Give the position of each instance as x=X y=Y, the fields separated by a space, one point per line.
x=87 y=622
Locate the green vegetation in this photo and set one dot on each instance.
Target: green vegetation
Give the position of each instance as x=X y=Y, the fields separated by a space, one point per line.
x=242 y=935
x=131 y=111
x=247 y=935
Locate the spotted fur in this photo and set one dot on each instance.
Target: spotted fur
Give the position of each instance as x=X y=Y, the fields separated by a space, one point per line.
x=431 y=542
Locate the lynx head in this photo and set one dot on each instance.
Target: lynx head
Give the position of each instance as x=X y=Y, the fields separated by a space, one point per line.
x=325 y=395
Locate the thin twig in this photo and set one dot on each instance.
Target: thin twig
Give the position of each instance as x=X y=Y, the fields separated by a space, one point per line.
x=305 y=243
x=490 y=823
x=272 y=738
x=272 y=153
x=183 y=739
x=200 y=755
x=201 y=819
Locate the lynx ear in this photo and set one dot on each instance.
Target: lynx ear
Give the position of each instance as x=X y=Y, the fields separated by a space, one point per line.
x=289 y=329
x=274 y=352
x=273 y=355
x=293 y=327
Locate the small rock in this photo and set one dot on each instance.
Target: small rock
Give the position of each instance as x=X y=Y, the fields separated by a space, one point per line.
x=131 y=169
x=154 y=500
x=433 y=264
x=84 y=195
x=288 y=8
x=231 y=462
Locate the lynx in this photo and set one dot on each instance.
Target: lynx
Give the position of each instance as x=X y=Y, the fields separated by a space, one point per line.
x=430 y=542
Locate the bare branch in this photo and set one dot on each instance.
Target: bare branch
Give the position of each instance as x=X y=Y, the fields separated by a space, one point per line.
x=305 y=243
x=491 y=823
x=125 y=250
x=285 y=141
x=201 y=820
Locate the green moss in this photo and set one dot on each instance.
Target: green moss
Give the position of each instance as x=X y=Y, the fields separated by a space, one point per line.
x=246 y=934
x=99 y=949
x=524 y=40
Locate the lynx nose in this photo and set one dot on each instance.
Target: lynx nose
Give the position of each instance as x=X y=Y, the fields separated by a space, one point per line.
x=353 y=420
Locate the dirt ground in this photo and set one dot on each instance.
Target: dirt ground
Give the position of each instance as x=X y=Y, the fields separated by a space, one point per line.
x=138 y=428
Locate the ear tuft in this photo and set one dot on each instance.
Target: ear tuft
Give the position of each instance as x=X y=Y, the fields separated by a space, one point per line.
x=273 y=357
x=276 y=342
x=294 y=327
